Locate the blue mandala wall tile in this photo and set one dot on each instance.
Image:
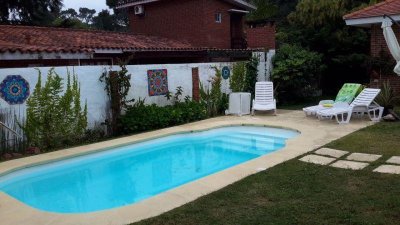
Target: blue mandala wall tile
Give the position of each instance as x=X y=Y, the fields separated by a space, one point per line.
x=14 y=89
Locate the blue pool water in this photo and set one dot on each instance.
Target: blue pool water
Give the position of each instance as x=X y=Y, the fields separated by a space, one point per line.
x=128 y=174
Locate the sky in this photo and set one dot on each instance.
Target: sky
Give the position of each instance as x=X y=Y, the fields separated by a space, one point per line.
x=98 y=5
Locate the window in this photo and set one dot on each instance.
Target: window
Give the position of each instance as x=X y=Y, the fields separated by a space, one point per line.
x=218 y=17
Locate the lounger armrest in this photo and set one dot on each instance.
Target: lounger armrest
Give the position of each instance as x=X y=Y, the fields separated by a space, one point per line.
x=322 y=102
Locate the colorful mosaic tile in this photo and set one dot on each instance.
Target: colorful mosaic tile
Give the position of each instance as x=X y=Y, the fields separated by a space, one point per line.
x=14 y=89
x=158 y=82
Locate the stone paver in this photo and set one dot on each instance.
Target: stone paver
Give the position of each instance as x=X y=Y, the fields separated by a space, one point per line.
x=388 y=169
x=331 y=152
x=344 y=164
x=317 y=159
x=363 y=157
x=394 y=160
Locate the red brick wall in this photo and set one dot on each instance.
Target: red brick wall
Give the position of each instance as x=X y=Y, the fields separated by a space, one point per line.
x=378 y=44
x=190 y=20
x=195 y=84
x=261 y=37
x=217 y=35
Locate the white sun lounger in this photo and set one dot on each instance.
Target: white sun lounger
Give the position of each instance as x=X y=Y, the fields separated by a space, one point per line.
x=312 y=110
x=363 y=103
x=264 y=97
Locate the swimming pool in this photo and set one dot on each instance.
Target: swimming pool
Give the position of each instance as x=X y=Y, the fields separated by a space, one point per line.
x=129 y=174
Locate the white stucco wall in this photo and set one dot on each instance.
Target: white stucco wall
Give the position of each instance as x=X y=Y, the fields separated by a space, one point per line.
x=265 y=65
x=92 y=90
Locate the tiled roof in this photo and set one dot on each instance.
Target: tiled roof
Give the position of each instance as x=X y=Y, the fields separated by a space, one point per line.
x=388 y=7
x=45 y=39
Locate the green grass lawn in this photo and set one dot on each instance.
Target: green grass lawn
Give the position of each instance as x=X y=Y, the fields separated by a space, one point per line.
x=300 y=193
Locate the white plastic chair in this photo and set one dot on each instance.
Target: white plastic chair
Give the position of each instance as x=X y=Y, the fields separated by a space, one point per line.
x=363 y=103
x=264 y=97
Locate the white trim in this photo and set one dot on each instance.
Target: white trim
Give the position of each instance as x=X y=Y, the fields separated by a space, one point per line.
x=238 y=11
x=235 y=2
x=135 y=3
x=43 y=55
x=367 y=22
x=108 y=51
x=243 y=4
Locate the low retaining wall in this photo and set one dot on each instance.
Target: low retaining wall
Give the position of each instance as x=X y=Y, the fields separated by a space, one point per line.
x=92 y=90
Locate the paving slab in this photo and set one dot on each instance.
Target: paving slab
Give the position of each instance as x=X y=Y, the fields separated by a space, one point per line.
x=363 y=157
x=388 y=169
x=317 y=159
x=394 y=160
x=331 y=152
x=344 y=164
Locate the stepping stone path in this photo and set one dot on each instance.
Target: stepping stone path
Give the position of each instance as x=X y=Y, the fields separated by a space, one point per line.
x=354 y=161
x=394 y=160
x=344 y=164
x=331 y=152
x=316 y=159
x=363 y=157
x=388 y=169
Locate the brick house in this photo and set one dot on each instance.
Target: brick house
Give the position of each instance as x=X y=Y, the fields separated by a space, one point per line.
x=371 y=17
x=202 y=23
x=162 y=32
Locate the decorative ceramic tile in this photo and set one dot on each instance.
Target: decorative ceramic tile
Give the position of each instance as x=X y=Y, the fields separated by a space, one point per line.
x=14 y=89
x=158 y=82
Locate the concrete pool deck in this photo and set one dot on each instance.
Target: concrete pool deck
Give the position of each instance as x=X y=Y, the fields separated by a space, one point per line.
x=314 y=134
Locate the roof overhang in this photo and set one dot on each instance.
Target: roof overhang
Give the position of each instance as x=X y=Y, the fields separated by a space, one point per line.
x=17 y=55
x=133 y=3
x=241 y=3
x=238 y=11
x=367 y=22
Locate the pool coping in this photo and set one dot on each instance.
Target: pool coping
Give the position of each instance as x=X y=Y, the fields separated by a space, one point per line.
x=313 y=134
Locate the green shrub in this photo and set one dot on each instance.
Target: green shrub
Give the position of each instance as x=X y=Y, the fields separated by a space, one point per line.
x=251 y=75
x=55 y=119
x=296 y=73
x=215 y=101
x=244 y=76
x=237 y=80
x=140 y=117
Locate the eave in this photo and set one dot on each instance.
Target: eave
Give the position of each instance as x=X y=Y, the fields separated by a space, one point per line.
x=368 y=21
x=240 y=3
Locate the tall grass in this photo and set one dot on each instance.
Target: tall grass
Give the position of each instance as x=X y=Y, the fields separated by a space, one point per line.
x=11 y=140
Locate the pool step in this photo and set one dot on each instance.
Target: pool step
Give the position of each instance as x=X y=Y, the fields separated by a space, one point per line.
x=256 y=148
x=266 y=139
